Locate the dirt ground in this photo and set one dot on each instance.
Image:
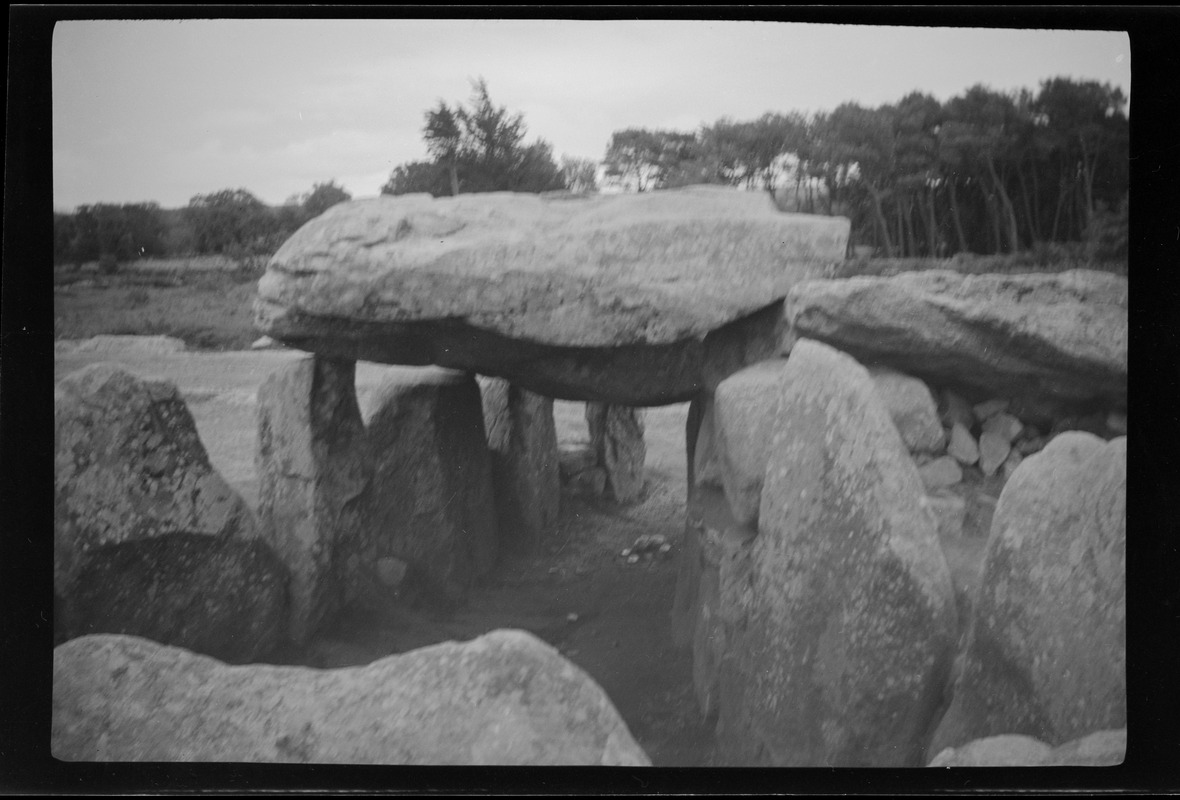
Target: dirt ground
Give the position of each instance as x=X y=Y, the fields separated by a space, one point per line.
x=579 y=594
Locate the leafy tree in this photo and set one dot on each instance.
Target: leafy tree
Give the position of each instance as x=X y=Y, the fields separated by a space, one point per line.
x=646 y=159
x=579 y=174
x=322 y=197
x=117 y=232
x=231 y=222
x=444 y=140
x=418 y=176
x=477 y=149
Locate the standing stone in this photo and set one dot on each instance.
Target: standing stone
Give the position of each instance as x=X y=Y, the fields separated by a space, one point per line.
x=224 y=598
x=715 y=555
x=745 y=408
x=506 y=698
x=912 y=409
x=616 y=435
x=432 y=500
x=1047 y=653
x=522 y=439
x=130 y=466
x=313 y=469
x=846 y=617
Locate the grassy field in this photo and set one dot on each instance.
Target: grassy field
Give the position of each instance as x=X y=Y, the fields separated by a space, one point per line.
x=206 y=302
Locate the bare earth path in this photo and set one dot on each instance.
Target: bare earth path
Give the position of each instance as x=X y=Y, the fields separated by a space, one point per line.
x=609 y=617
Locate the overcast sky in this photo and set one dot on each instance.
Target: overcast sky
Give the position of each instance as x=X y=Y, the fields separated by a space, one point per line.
x=164 y=110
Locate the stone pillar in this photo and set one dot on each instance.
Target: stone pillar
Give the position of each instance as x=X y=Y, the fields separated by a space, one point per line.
x=432 y=503
x=840 y=626
x=522 y=439
x=616 y=436
x=715 y=553
x=313 y=469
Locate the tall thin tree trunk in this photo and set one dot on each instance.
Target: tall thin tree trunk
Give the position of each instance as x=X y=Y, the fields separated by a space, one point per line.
x=935 y=235
x=454 y=179
x=1006 y=208
x=957 y=216
x=882 y=225
x=909 y=227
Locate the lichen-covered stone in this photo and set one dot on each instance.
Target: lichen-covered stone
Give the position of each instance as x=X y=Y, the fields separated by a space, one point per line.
x=616 y=436
x=1047 y=652
x=522 y=439
x=432 y=502
x=313 y=470
x=129 y=466
x=1061 y=336
x=221 y=597
x=911 y=407
x=745 y=407
x=845 y=623
x=503 y=699
x=632 y=299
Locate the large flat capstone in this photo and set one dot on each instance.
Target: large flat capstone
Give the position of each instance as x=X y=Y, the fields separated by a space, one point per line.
x=635 y=299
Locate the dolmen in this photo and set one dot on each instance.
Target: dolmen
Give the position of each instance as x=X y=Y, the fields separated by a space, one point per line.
x=635 y=299
x=620 y=301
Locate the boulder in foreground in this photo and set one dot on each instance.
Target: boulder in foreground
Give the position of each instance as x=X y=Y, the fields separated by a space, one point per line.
x=130 y=466
x=841 y=634
x=505 y=698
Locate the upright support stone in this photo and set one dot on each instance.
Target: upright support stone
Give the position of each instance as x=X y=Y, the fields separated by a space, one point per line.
x=522 y=439
x=842 y=625
x=715 y=550
x=313 y=469
x=432 y=502
x=616 y=436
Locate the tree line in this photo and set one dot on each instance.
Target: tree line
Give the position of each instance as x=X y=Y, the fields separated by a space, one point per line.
x=231 y=222
x=985 y=172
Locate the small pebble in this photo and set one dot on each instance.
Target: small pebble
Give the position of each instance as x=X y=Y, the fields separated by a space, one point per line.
x=632 y=559
x=571 y=617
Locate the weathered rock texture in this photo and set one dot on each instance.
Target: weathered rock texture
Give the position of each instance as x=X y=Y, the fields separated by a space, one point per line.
x=221 y=597
x=432 y=501
x=845 y=621
x=522 y=439
x=129 y=467
x=313 y=469
x=745 y=407
x=616 y=438
x=912 y=409
x=1101 y=749
x=1061 y=336
x=638 y=299
x=505 y=698
x=1047 y=651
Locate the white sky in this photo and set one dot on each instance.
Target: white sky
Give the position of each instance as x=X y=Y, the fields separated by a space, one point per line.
x=164 y=110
